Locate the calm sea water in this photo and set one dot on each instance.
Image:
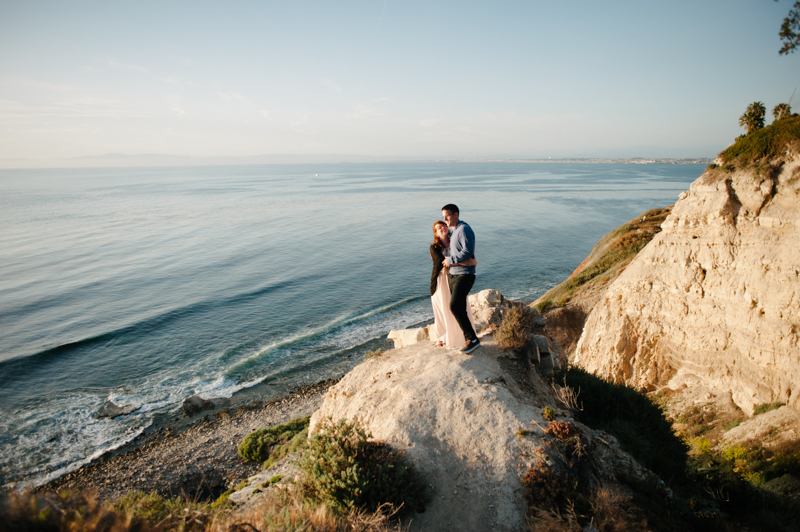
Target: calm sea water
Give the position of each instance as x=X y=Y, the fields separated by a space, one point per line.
x=145 y=286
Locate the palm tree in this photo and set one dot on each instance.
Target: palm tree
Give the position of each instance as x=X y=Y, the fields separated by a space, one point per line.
x=753 y=117
x=782 y=110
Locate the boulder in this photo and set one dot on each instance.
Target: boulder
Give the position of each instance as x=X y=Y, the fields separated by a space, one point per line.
x=112 y=410
x=486 y=298
x=405 y=337
x=195 y=404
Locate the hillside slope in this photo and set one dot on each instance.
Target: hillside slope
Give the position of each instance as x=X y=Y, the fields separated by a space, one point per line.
x=567 y=305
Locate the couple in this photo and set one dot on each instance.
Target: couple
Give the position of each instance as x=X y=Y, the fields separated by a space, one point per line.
x=452 y=279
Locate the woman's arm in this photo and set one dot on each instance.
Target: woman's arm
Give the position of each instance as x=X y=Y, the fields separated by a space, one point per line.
x=472 y=261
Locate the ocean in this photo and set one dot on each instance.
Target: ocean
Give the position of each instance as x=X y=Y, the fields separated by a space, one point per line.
x=143 y=286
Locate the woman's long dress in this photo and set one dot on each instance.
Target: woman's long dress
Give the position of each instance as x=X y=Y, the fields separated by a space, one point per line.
x=445 y=326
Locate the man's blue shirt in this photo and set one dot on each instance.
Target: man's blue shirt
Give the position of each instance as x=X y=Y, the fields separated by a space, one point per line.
x=462 y=247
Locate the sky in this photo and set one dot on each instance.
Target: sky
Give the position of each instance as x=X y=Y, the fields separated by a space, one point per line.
x=383 y=78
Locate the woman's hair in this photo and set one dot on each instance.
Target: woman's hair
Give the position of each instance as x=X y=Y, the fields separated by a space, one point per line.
x=436 y=242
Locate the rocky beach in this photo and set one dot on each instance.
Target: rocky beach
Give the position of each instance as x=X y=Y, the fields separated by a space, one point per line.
x=196 y=457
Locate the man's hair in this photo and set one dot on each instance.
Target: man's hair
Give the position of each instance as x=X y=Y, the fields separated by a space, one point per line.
x=450 y=208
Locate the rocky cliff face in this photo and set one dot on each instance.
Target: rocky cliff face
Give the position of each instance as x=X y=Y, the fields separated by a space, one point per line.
x=714 y=299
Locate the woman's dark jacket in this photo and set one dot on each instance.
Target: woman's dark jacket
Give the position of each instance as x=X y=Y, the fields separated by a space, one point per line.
x=438 y=257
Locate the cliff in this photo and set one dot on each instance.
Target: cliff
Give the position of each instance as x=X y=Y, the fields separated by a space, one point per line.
x=714 y=299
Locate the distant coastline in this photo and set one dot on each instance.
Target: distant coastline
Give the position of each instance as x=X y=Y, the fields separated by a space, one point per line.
x=116 y=160
x=592 y=160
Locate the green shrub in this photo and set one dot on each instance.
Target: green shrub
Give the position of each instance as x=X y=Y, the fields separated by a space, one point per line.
x=733 y=424
x=544 y=306
x=346 y=471
x=766 y=407
x=548 y=414
x=272 y=444
x=515 y=331
x=638 y=423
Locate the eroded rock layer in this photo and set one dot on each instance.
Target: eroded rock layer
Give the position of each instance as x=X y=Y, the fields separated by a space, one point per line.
x=714 y=298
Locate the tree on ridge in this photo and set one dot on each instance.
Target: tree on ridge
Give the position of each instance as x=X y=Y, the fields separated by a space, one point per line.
x=782 y=110
x=790 y=30
x=753 y=117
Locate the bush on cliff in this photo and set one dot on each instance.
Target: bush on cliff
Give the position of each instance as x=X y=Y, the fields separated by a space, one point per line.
x=344 y=470
x=515 y=331
x=271 y=444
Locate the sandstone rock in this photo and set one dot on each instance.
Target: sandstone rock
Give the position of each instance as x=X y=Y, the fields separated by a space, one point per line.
x=484 y=316
x=466 y=423
x=406 y=337
x=486 y=298
x=714 y=299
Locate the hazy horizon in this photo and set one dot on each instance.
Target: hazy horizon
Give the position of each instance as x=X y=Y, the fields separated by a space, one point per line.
x=118 y=160
x=417 y=80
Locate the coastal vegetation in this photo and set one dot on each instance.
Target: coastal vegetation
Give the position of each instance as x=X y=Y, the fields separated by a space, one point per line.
x=753 y=117
x=607 y=259
x=699 y=483
x=269 y=445
x=345 y=470
x=790 y=30
x=277 y=511
x=772 y=144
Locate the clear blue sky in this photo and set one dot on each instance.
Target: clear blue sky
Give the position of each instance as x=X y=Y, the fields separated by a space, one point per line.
x=424 y=79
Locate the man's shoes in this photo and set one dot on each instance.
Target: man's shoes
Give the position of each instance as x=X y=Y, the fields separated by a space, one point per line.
x=471 y=346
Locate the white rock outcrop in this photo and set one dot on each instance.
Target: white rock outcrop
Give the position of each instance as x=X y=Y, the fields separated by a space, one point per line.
x=488 y=307
x=471 y=424
x=714 y=299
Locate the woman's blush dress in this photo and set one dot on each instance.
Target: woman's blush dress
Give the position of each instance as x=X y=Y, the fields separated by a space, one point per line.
x=445 y=326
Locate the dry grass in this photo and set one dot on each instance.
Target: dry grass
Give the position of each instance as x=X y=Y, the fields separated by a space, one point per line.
x=610 y=510
x=65 y=512
x=515 y=331
x=567 y=397
x=278 y=511
x=287 y=511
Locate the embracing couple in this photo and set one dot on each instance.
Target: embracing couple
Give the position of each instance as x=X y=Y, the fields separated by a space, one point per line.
x=452 y=278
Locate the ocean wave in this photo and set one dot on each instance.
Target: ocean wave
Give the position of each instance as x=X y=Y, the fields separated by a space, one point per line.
x=15 y=368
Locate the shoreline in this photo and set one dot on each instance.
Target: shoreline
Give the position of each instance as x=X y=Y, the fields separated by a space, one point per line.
x=196 y=458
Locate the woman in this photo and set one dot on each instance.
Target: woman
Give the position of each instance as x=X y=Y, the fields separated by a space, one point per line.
x=446 y=331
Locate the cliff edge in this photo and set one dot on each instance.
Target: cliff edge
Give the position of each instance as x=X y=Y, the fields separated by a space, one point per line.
x=471 y=424
x=714 y=299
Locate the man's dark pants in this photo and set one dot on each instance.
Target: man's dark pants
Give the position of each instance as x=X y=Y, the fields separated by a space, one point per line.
x=460 y=285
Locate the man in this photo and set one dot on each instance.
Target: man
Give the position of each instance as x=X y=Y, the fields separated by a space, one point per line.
x=460 y=278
